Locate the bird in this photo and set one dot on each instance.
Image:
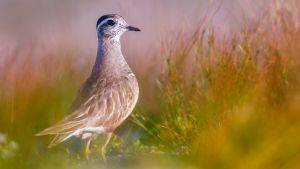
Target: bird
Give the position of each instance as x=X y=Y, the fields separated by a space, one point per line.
x=109 y=94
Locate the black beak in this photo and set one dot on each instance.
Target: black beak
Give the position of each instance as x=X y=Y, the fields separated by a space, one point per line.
x=131 y=28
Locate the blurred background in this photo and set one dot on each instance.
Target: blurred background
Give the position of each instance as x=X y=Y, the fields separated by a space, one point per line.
x=219 y=82
x=53 y=26
x=35 y=31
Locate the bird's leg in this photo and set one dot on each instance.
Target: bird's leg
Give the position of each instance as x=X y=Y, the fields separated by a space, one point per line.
x=103 y=148
x=87 y=148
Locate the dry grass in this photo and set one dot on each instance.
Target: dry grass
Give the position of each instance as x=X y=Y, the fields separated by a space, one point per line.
x=239 y=106
x=221 y=103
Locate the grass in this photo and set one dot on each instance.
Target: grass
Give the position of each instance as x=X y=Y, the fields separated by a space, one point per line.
x=221 y=103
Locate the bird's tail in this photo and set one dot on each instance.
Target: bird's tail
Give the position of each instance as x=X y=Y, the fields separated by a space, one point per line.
x=62 y=131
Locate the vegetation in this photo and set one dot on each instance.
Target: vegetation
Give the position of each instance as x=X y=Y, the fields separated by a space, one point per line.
x=221 y=103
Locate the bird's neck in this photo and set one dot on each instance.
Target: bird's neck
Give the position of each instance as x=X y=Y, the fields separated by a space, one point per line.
x=109 y=60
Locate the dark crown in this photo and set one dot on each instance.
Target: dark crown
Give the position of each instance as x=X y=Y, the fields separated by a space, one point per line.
x=102 y=18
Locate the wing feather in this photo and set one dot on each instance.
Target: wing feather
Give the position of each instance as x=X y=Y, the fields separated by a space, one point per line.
x=106 y=106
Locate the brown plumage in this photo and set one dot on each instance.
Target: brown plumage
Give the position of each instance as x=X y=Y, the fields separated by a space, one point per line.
x=108 y=96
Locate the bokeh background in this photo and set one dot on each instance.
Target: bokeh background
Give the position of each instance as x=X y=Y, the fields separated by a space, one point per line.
x=219 y=82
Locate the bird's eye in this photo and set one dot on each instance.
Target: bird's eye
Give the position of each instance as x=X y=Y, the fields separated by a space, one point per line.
x=111 y=22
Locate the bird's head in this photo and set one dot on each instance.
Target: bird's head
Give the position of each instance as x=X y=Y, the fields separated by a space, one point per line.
x=112 y=26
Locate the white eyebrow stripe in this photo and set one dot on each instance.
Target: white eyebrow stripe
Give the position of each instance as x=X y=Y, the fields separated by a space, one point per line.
x=103 y=22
